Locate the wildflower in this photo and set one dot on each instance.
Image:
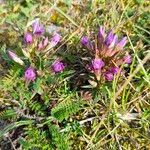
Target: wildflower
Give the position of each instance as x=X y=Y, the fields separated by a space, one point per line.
x=28 y=38
x=122 y=42
x=108 y=47
x=38 y=29
x=109 y=76
x=30 y=74
x=86 y=42
x=127 y=59
x=111 y=40
x=114 y=70
x=15 y=57
x=97 y=64
x=58 y=66
x=55 y=39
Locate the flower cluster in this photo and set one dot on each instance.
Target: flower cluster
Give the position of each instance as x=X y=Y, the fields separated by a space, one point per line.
x=39 y=42
x=107 y=54
x=38 y=30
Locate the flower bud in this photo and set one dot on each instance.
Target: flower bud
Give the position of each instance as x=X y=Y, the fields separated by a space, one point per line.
x=114 y=70
x=38 y=29
x=28 y=38
x=58 y=66
x=97 y=64
x=15 y=58
x=30 y=74
x=55 y=39
x=86 y=42
x=122 y=43
x=109 y=38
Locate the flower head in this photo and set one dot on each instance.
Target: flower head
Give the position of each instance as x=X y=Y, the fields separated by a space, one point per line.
x=15 y=57
x=86 y=42
x=58 y=66
x=30 y=74
x=97 y=64
x=55 y=39
x=28 y=38
x=108 y=47
x=38 y=29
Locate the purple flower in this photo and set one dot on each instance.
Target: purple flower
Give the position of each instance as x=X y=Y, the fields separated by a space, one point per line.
x=58 y=66
x=38 y=28
x=109 y=38
x=122 y=43
x=28 y=38
x=114 y=70
x=97 y=64
x=109 y=76
x=101 y=33
x=30 y=74
x=55 y=39
x=86 y=42
x=114 y=41
x=15 y=57
x=127 y=59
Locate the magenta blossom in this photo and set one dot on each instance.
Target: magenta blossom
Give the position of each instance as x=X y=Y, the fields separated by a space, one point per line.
x=86 y=42
x=30 y=74
x=97 y=64
x=28 y=38
x=114 y=70
x=111 y=39
x=122 y=42
x=38 y=29
x=57 y=66
x=55 y=39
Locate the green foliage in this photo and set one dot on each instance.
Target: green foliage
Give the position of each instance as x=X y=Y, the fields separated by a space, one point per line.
x=59 y=140
x=7 y=114
x=12 y=126
x=50 y=111
x=66 y=108
x=35 y=139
